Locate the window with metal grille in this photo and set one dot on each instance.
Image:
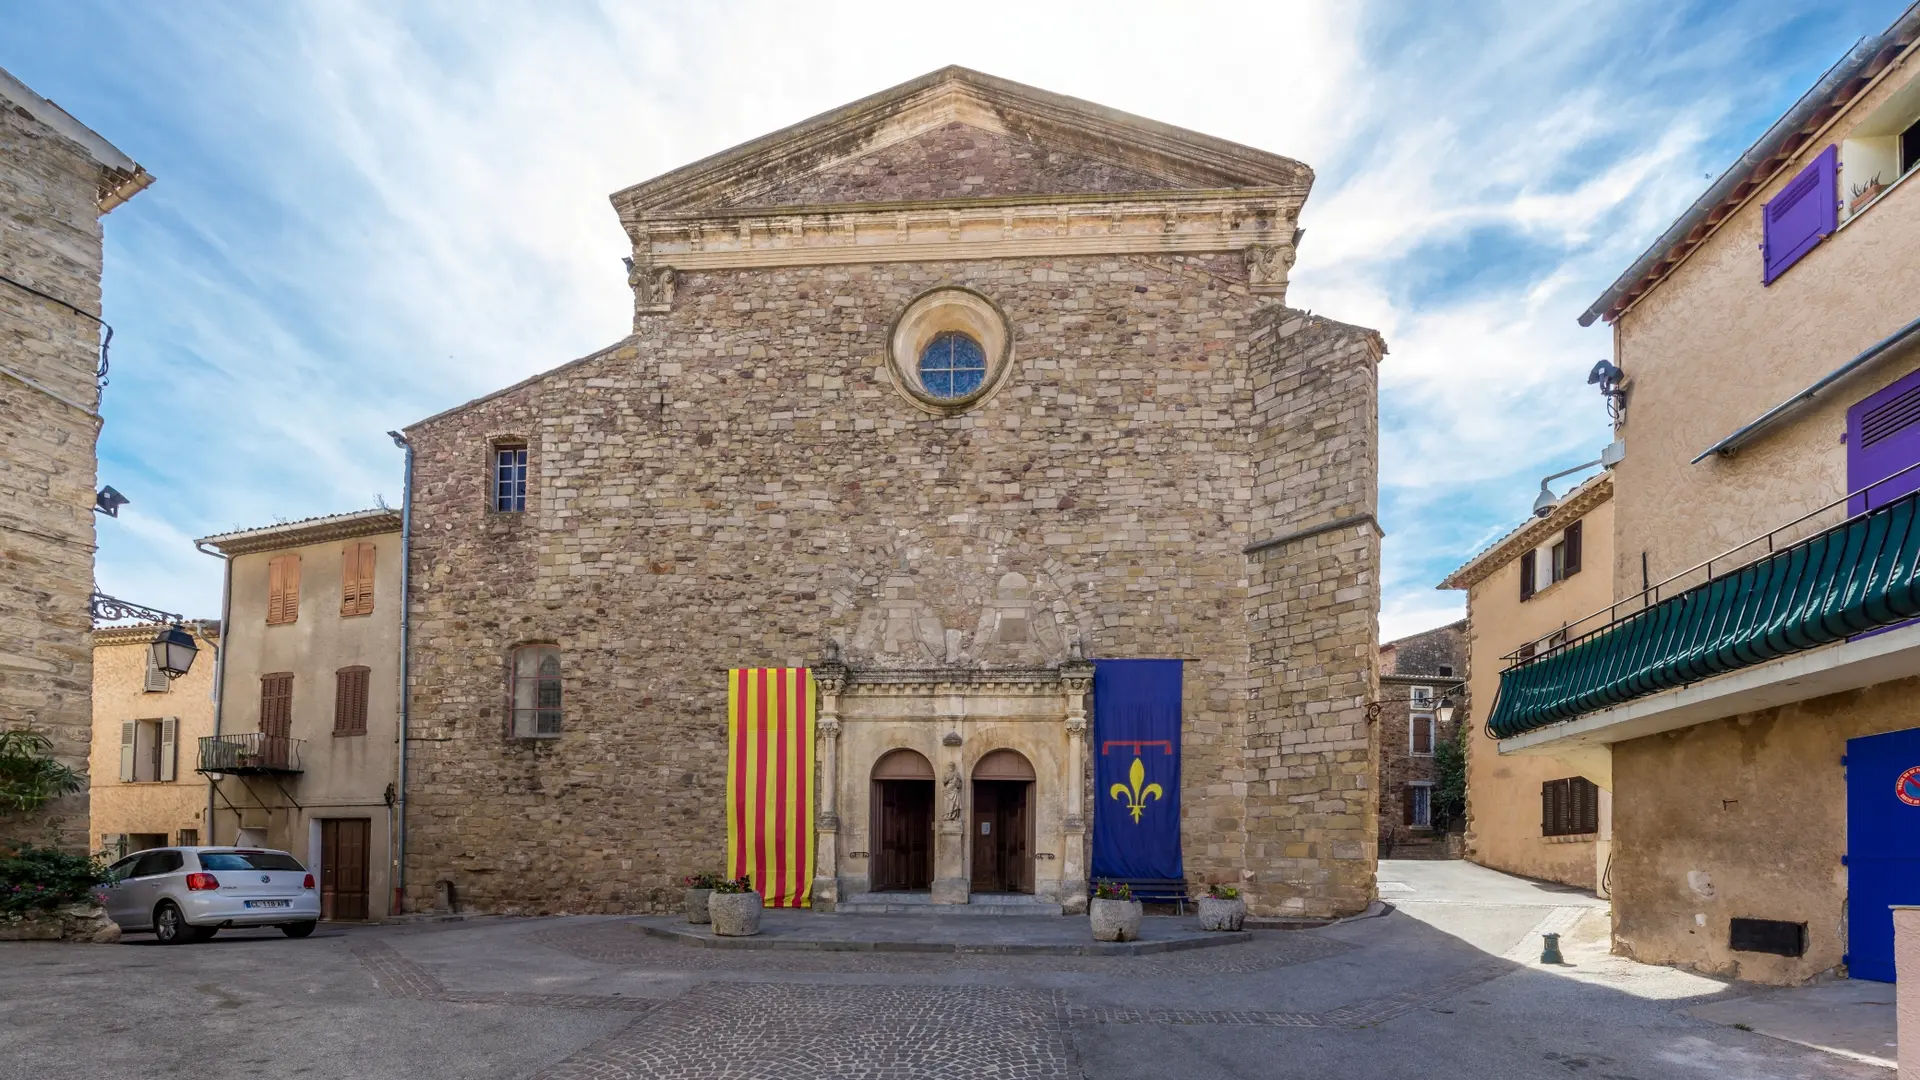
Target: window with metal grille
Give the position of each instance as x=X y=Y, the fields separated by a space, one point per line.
x=510 y=479
x=350 y=701
x=1569 y=807
x=535 y=691
x=189 y=837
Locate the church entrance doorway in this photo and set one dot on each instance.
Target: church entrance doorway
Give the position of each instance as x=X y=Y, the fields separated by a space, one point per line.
x=902 y=814
x=1002 y=832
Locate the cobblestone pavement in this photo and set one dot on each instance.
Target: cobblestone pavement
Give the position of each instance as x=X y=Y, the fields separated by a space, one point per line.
x=1449 y=986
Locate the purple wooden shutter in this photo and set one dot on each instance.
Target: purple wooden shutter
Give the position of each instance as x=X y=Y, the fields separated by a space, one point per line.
x=1883 y=437
x=1805 y=212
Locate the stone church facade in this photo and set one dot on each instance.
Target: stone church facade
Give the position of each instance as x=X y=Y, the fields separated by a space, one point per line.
x=942 y=394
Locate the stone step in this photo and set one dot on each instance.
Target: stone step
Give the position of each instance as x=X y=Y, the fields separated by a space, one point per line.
x=979 y=904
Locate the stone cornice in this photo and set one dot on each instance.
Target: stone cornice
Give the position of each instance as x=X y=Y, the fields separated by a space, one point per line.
x=916 y=682
x=962 y=229
x=1580 y=502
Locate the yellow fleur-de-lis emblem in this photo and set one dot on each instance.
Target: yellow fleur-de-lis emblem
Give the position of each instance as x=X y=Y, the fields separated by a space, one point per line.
x=1135 y=796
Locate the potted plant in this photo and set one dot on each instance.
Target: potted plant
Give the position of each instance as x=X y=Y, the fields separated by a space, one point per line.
x=1865 y=193
x=1222 y=908
x=699 y=887
x=1114 y=913
x=735 y=908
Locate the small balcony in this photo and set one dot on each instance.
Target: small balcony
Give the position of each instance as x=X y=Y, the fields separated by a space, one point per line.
x=251 y=754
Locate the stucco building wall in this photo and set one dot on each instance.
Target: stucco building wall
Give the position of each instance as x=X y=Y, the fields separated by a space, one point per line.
x=121 y=808
x=1503 y=790
x=54 y=188
x=342 y=775
x=1756 y=802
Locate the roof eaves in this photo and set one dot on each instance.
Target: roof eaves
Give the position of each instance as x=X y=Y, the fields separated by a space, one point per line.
x=1576 y=504
x=121 y=177
x=312 y=530
x=1834 y=90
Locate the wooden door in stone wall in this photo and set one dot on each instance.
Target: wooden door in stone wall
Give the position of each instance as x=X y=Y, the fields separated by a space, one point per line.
x=343 y=867
x=1002 y=855
x=903 y=831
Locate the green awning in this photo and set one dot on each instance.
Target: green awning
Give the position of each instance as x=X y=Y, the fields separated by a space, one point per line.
x=1860 y=575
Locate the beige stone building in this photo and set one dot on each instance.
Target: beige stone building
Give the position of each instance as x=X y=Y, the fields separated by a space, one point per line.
x=1535 y=815
x=57 y=179
x=1750 y=696
x=146 y=732
x=1423 y=702
x=304 y=755
x=936 y=394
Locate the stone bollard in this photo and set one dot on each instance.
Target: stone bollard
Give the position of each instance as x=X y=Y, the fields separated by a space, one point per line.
x=1906 y=960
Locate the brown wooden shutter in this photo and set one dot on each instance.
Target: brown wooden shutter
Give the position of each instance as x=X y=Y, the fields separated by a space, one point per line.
x=1572 y=539
x=1406 y=805
x=356 y=579
x=283 y=589
x=276 y=704
x=1526 y=576
x=350 y=701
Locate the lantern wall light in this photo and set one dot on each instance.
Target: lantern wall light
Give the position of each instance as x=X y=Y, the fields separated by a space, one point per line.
x=173 y=649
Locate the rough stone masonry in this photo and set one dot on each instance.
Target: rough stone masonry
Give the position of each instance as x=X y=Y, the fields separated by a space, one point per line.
x=57 y=178
x=1173 y=462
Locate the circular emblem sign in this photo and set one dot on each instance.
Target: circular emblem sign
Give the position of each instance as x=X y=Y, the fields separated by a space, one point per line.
x=1907 y=788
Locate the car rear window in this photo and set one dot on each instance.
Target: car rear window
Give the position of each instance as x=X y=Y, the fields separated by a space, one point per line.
x=248 y=860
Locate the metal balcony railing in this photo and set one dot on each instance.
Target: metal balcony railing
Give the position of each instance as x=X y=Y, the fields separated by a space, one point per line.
x=250 y=753
x=1770 y=599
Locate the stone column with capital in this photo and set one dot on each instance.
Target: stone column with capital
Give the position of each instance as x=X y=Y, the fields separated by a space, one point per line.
x=831 y=678
x=1076 y=677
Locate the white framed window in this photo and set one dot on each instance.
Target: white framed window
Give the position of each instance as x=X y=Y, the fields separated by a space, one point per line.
x=149 y=750
x=1420 y=804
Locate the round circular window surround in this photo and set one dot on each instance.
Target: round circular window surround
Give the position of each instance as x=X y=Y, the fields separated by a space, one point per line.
x=949 y=350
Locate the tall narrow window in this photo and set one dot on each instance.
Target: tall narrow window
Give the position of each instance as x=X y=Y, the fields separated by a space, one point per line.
x=536 y=691
x=276 y=704
x=1526 y=575
x=350 y=701
x=1571 y=541
x=510 y=479
x=283 y=589
x=356 y=578
x=157 y=681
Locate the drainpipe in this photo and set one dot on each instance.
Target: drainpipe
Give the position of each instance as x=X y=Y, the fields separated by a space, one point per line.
x=399 y=810
x=219 y=661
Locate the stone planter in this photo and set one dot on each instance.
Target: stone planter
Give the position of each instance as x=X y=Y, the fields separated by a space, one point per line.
x=697 y=905
x=1218 y=913
x=735 y=914
x=1114 y=920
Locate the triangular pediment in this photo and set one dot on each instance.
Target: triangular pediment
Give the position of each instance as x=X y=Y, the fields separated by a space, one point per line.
x=959 y=134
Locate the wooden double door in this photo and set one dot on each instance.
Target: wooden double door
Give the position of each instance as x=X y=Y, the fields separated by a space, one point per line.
x=345 y=845
x=1002 y=836
x=902 y=857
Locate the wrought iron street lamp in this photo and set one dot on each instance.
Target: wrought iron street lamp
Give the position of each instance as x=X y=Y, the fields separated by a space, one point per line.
x=173 y=650
x=1442 y=709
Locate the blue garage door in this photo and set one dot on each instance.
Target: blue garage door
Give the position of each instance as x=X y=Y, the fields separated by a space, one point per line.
x=1883 y=845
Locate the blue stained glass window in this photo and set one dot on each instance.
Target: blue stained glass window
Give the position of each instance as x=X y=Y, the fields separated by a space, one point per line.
x=952 y=365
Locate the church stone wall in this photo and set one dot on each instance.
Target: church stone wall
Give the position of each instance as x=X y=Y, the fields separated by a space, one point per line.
x=740 y=482
x=50 y=238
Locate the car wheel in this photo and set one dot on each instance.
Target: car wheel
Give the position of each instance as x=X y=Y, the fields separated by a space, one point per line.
x=298 y=929
x=171 y=927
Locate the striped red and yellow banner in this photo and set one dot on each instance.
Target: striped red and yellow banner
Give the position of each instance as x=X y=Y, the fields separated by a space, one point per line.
x=770 y=782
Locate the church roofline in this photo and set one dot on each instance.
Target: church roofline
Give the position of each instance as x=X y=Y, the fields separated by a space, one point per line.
x=528 y=381
x=1204 y=161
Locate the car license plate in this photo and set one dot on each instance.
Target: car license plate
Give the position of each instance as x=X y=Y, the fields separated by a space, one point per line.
x=268 y=903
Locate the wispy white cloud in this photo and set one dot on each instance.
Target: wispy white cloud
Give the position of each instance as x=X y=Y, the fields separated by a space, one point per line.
x=368 y=212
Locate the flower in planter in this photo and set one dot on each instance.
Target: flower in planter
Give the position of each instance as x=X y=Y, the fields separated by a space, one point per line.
x=701 y=880
x=1223 y=892
x=1112 y=890
x=741 y=884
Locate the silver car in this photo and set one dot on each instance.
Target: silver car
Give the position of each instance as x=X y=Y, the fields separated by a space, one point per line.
x=187 y=894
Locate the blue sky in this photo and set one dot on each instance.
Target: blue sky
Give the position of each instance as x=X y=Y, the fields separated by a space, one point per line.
x=366 y=212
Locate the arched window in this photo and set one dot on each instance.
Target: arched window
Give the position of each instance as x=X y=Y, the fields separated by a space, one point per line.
x=952 y=365
x=535 y=677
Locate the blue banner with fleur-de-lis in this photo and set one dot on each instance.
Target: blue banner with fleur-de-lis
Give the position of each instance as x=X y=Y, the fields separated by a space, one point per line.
x=1136 y=770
